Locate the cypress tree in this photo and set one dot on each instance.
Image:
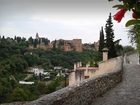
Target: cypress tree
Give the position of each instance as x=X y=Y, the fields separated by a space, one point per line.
x=101 y=41
x=110 y=37
x=30 y=40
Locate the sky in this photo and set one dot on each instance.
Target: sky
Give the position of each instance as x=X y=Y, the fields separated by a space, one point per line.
x=59 y=19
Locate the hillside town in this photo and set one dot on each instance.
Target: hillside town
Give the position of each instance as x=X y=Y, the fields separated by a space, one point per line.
x=38 y=66
x=58 y=68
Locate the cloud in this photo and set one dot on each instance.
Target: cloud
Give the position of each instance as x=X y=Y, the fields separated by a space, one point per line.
x=68 y=20
x=6 y=31
x=58 y=18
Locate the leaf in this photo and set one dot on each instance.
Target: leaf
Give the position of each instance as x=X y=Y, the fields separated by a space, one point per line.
x=137 y=7
x=118 y=6
x=132 y=22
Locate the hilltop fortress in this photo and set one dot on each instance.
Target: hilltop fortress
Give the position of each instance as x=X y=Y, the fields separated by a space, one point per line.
x=65 y=45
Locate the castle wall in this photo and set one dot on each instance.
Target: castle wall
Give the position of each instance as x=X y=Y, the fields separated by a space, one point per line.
x=67 y=45
x=77 y=43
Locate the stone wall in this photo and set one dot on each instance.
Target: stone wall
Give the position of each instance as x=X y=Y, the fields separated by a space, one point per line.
x=86 y=92
x=110 y=66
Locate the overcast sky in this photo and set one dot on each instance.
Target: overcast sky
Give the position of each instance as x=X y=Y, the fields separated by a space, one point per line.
x=59 y=19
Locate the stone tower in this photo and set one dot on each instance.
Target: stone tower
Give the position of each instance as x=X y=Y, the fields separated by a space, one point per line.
x=37 y=36
x=77 y=44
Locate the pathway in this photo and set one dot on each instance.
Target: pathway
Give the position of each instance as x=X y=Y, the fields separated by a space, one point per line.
x=128 y=91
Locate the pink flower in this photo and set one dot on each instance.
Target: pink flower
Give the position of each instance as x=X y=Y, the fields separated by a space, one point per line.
x=119 y=15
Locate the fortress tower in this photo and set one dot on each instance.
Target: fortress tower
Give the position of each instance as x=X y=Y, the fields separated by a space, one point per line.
x=77 y=44
x=37 y=36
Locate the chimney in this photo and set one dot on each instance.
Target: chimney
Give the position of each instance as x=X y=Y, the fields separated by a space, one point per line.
x=86 y=73
x=105 y=54
x=78 y=64
x=75 y=66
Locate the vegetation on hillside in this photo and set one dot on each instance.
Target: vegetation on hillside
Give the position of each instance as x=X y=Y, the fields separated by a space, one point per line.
x=16 y=58
x=102 y=40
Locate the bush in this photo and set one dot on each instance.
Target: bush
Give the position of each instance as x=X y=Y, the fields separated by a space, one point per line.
x=41 y=87
x=18 y=94
x=128 y=49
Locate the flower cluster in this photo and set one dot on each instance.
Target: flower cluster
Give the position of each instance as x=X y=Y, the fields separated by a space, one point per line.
x=127 y=5
x=119 y=15
x=134 y=6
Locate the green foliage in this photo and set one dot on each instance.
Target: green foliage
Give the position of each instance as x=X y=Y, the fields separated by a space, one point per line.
x=119 y=49
x=128 y=49
x=32 y=59
x=15 y=58
x=54 y=84
x=18 y=94
x=41 y=87
x=110 y=38
x=119 y=6
x=132 y=22
x=134 y=35
x=30 y=40
x=101 y=41
x=14 y=64
x=134 y=32
x=5 y=89
x=36 y=41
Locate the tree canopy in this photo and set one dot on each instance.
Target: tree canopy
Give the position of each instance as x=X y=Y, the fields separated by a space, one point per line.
x=109 y=42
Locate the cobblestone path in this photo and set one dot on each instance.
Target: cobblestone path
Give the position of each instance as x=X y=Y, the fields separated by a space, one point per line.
x=128 y=91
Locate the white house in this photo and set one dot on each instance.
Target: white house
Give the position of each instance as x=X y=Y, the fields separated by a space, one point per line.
x=38 y=71
x=26 y=83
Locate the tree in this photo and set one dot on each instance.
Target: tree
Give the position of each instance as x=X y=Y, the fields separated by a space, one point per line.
x=18 y=39
x=15 y=38
x=128 y=49
x=101 y=41
x=47 y=41
x=41 y=87
x=23 y=39
x=35 y=43
x=110 y=38
x=30 y=40
x=3 y=37
x=3 y=95
x=18 y=94
x=134 y=35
